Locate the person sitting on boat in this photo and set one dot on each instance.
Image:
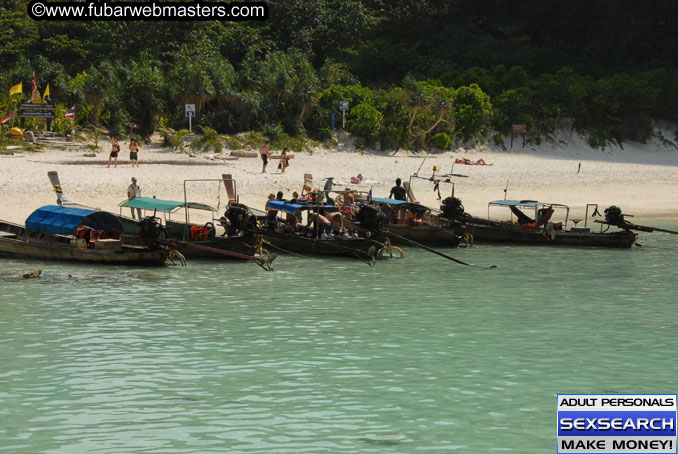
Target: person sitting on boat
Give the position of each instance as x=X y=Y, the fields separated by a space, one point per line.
x=346 y=206
x=306 y=192
x=292 y=224
x=336 y=218
x=397 y=191
x=320 y=224
x=271 y=214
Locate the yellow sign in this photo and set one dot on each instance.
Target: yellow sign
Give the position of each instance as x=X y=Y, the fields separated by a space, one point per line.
x=35 y=97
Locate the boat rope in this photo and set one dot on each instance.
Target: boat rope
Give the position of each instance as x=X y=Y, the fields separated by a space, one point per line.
x=273 y=246
x=371 y=257
x=266 y=264
x=414 y=243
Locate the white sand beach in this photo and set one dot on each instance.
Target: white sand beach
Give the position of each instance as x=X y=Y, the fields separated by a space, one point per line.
x=640 y=178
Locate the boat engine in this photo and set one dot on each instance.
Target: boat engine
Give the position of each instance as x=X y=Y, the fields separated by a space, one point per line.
x=614 y=216
x=452 y=208
x=239 y=218
x=370 y=217
x=151 y=229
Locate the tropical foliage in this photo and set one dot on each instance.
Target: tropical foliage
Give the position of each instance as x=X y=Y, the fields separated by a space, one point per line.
x=418 y=74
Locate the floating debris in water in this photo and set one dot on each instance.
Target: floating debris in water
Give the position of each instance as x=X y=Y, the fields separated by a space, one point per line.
x=33 y=274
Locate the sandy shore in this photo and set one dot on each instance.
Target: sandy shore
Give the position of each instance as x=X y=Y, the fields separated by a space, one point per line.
x=640 y=178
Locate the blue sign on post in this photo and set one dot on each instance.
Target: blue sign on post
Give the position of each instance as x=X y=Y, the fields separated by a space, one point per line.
x=190 y=113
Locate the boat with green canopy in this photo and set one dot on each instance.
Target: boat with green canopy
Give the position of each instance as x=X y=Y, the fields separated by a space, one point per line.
x=193 y=240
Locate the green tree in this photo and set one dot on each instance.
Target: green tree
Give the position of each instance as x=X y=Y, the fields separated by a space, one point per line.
x=472 y=112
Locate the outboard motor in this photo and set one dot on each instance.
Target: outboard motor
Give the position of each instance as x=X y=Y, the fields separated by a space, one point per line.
x=614 y=216
x=452 y=208
x=151 y=229
x=239 y=218
x=370 y=217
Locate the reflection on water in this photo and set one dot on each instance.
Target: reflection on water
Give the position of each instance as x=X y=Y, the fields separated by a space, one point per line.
x=330 y=355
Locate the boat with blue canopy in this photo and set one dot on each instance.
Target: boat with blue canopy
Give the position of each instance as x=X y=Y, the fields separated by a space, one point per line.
x=319 y=236
x=539 y=223
x=68 y=233
x=405 y=221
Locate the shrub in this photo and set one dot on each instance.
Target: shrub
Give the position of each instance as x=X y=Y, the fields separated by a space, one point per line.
x=442 y=140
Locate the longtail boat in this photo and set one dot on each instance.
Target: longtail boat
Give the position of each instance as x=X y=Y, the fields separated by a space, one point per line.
x=537 y=223
x=408 y=221
x=296 y=239
x=193 y=240
x=76 y=234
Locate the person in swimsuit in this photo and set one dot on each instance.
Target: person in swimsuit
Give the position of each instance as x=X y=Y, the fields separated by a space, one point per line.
x=115 y=149
x=134 y=152
x=284 y=161
x=265 y=154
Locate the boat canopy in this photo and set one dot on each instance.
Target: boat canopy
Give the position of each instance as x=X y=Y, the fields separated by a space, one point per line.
x=166 y=206
x=514 y=205
x=289 y=207
x=389 y=201
x=65 y=220
x=525 y=204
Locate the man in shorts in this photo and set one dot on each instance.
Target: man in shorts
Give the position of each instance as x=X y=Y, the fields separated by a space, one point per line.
x=134 y=191
x=265 y=154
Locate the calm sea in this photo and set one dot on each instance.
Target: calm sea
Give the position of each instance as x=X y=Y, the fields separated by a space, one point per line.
x=331 y=355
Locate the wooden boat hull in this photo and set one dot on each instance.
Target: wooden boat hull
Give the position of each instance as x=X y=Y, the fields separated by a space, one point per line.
x=424 y=234
x=210 y=249
x=195 y=249
x=297 y=244
x=499 y=232
x=45 y=250
x=428 y=235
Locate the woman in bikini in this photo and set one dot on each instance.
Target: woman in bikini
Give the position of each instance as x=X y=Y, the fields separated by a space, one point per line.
x=134 y=152
x=115 y=149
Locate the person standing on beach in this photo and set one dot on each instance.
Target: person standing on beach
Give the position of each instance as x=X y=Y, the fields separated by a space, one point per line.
x=134 y=191
x=134 y=152
x=265 y=154
x=115 y=149
x=284 y=161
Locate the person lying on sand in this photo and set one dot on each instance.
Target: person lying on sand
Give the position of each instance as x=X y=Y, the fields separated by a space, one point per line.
x=468 y=162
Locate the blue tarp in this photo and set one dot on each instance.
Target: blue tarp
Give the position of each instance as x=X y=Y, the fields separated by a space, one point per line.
x=64 y=220
x=289 y=207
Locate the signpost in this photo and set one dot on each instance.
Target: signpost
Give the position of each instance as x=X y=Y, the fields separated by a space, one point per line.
x=343 y=106
x=30 y=110
x=190 y=113
x=519 y=128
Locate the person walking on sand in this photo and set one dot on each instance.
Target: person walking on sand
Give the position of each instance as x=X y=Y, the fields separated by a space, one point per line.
x=115 y=149
x=265 y=154
x=134 y=152
x=134 y=191
x=284 y=160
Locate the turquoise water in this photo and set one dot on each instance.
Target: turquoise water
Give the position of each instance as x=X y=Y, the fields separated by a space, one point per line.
x=331 y=355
